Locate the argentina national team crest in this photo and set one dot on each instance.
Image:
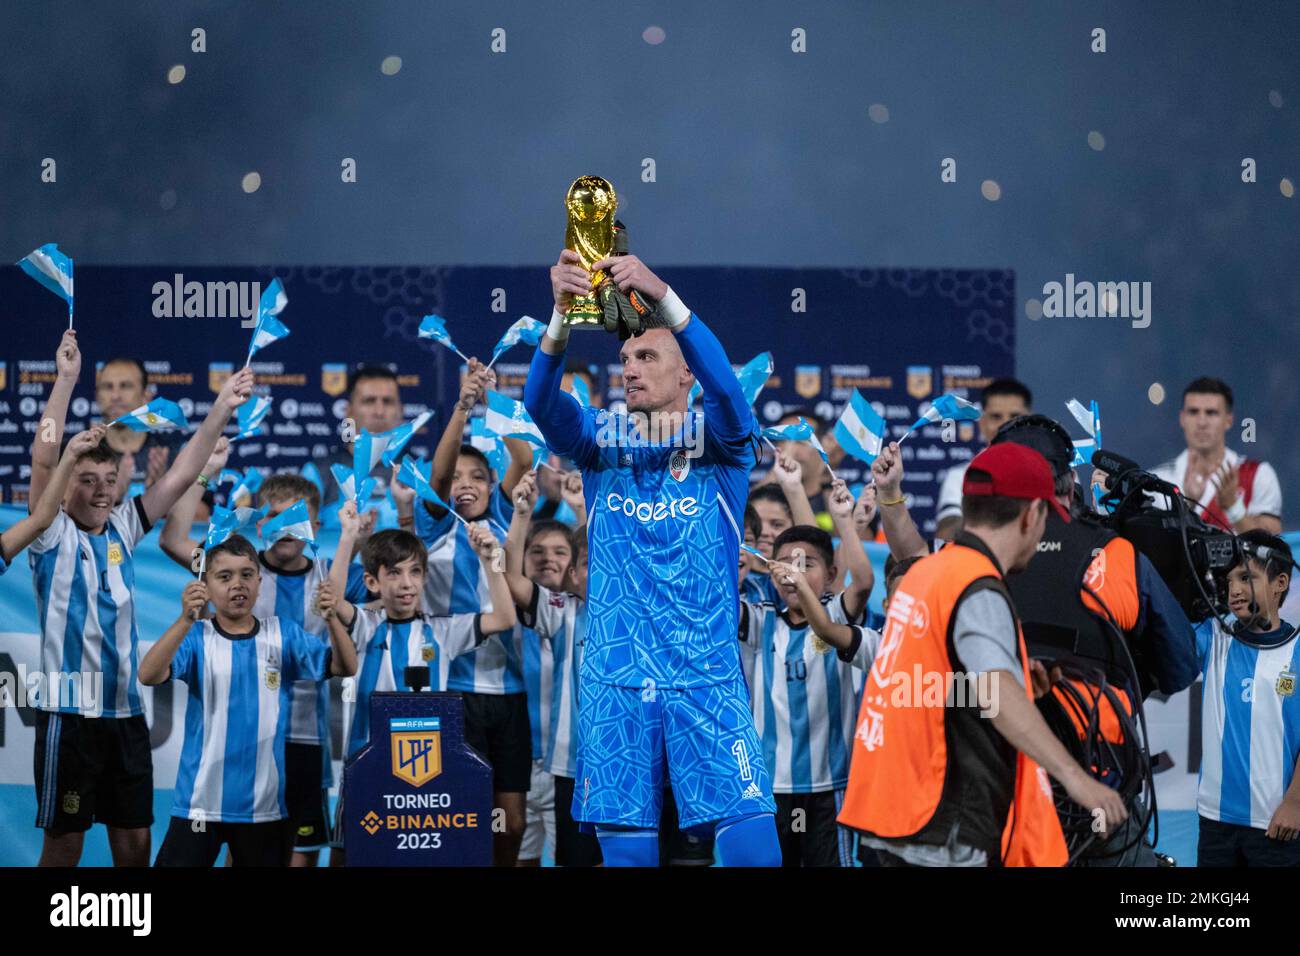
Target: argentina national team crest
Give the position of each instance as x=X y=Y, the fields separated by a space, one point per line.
x=807 y=380
x=679 y=466
x=1285 y=685
x=416 y=744
x=920 y=380
x=333 y=379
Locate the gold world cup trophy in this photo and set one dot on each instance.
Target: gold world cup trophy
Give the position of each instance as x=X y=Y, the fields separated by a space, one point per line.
x=591 y=204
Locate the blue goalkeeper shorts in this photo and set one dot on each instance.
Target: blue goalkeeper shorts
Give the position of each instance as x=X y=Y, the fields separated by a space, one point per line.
x=633 y=742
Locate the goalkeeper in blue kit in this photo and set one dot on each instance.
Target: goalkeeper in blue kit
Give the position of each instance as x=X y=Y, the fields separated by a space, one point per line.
x=661 y=695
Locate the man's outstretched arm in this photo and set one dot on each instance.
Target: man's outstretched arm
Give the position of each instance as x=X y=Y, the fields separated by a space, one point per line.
x=726 y=412
x=565 y=426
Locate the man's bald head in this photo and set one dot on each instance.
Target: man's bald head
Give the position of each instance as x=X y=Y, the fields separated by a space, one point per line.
x=655 y=375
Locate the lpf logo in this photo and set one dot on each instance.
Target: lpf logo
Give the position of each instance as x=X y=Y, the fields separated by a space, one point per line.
x=416 y=747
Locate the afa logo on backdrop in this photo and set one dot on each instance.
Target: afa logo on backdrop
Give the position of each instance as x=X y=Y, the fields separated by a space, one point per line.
x=333 y=379
x=218 y=372
x=416 y=746
x=808 y=380
x=920 y=380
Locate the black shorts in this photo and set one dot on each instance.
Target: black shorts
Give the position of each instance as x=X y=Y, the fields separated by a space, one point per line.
x=92 y=770
x=678 y=847
x=496 y=725
x=194 y=843
x=809 y=834
x=573 y=847
x=305 y=797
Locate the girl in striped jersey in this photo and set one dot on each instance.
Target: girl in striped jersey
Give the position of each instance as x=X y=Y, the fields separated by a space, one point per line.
x=558 y=617
x=1249 y=797
x=230 y=785
x=395 y=633
x=803 y=695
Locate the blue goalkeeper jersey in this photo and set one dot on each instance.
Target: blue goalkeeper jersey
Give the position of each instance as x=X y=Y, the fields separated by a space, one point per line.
x=663 y=525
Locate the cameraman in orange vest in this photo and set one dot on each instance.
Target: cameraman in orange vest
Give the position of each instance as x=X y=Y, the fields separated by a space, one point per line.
x=946 y=758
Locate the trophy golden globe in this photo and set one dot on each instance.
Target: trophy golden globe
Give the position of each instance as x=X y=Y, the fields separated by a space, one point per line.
x=591 y=204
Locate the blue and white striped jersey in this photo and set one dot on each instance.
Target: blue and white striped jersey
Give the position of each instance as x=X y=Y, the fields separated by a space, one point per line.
x=236 y=717
x=538 y=680
x=804 y=695
x=85 y=587
x=386 y=648
x=291 y=596
x=454 y=585
x=560 y=620
x=757 y=588
x=1250 y=724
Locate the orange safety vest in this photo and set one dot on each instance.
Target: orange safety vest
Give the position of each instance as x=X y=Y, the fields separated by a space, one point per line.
x=900 y=758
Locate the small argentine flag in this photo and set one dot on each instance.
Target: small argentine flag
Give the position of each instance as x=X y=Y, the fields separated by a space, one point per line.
x=250 y=416
x=245 y=484
x=1082 y=415
x=346 y=479
x=51 y=269
x=415 y=474
x=368 y=451
x=754 y=375
x=798 y=431
x=1083 y=449
x=269 y=329
x=696 y=391
x=293 y=522
x=158 y=415
x=946 y=407
x=860 y=430
x=399 y=436
x=510 y=419
x=435 y=327
x=527 y=329
x=490 y=445
x=227 y=522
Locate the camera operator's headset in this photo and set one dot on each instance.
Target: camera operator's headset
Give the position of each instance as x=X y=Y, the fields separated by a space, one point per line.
x=1101 y=725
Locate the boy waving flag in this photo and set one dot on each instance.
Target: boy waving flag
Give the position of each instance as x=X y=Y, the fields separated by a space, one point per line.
x=661 y=694
x=93 y=759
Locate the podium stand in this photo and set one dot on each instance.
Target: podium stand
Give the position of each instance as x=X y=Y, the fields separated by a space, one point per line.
x=417 y=794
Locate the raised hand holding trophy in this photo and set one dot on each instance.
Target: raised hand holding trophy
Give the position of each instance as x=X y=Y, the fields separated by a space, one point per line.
x=591 y=204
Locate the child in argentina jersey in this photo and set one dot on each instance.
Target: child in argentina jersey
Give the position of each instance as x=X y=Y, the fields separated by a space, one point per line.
x=805 y=658
x=397 y=634
x=1247 y=795
x=559 y=619
x=387 y=645
x=236 y=722
x=455 y=585
x=238 y=669
x=85 y=598
x=1248 y=798
x=804 y=695
x=289 y=583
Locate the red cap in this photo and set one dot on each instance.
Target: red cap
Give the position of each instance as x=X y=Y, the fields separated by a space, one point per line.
x=1014 y=471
